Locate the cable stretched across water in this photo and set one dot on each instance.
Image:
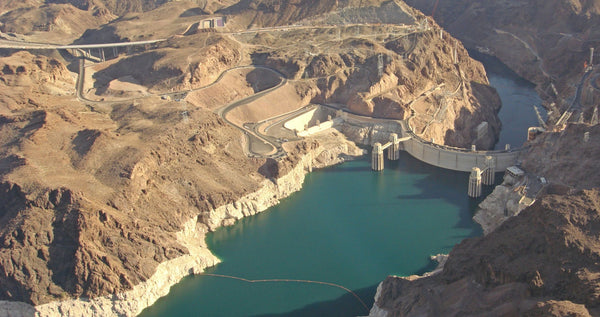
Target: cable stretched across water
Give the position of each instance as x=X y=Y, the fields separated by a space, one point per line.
x=290 y=281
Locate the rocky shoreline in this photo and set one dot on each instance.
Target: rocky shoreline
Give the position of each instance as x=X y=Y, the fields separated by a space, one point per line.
x=498 y=206
x=168 y=273
x=539 y=252
x=332 y=147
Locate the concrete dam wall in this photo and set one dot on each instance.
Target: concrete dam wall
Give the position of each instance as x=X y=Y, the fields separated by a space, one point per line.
x=454 y=158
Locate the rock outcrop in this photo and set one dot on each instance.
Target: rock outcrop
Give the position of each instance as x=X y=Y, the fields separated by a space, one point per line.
x=416 y=71
x=546 y=42
x=543 y=260
x=562 y=158
x=103 y=201
x=287 y=179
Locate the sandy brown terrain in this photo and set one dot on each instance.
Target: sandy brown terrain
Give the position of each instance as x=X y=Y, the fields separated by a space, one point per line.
x=93 y=193
x=83 y=189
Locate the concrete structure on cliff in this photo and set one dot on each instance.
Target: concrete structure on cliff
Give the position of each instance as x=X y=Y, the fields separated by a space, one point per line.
x=89 y=50
x=393 y=147
x=482 y=176
x=475 y=183
x=402 y=138
x=483 y=165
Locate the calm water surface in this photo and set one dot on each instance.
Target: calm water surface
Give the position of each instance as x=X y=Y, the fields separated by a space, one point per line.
x=518 y=97
x=348 y=226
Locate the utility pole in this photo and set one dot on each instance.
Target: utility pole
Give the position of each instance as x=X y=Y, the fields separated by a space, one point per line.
x=455 y=54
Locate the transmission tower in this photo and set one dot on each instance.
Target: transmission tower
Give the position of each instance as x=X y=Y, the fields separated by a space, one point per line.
x=185 y=117
x=380 y=65
x=539 y=116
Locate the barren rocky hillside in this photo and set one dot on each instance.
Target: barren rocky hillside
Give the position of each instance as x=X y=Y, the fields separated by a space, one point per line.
x=62 y=21
x=547 y=42
x=92 y=198
x=94 y=192
x=328 y=64
x=565 y=157
x=543 y=262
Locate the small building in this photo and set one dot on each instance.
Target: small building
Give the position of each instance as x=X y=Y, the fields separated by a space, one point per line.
x=526 y=201
x=215 y=22
x=533 y=132
x=515 y=172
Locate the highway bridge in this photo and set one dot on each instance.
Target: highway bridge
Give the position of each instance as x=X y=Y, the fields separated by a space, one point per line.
x=46 y=46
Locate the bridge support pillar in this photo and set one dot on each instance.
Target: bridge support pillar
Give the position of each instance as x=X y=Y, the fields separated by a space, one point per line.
x=394 y=149
x=115 y=52
x=377 y=157
x=489 y=174
x=102 y=54
x=475 y=183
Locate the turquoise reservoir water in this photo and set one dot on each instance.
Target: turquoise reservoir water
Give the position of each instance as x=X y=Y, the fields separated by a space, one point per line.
x=348 y=226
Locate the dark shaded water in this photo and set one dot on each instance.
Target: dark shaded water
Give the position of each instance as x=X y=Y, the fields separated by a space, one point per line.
x=348 y=226
x=518 y=97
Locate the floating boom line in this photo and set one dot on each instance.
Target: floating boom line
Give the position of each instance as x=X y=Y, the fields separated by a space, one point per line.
x=290 y=281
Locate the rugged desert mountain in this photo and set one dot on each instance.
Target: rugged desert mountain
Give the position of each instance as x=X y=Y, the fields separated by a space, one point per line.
x=543 y=262
x=59 y=19
x=94 y=191
x=92 y=198
x=62 y=21
x=326 y=63
x=547 y=42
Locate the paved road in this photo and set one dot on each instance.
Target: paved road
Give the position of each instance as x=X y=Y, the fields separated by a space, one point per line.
x=258 y=144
